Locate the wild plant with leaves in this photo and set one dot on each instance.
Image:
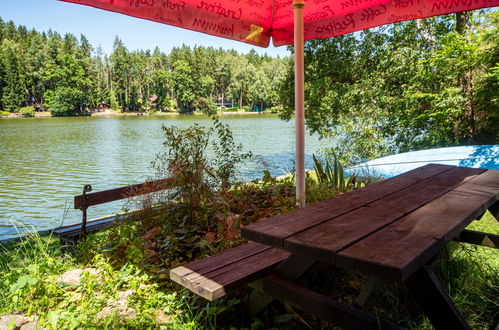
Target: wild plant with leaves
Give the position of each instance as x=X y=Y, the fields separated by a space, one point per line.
x=197 y=177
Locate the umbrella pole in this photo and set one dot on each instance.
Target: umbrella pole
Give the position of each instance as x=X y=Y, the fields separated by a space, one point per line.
x=299 y=102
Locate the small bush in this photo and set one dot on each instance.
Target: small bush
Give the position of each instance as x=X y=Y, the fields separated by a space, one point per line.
x=27 y=111
x=205 y=105
x=67 y=101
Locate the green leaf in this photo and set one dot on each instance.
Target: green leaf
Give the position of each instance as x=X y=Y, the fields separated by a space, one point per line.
x=22 y=282
x=53 y=318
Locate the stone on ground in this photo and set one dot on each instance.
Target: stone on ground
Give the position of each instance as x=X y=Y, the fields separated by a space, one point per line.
x=18 y=321
x=75 y=276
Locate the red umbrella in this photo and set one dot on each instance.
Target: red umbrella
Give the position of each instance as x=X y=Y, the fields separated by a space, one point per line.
x=287 y=22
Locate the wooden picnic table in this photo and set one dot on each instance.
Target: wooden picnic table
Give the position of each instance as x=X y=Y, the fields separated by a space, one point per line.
x=392 y=229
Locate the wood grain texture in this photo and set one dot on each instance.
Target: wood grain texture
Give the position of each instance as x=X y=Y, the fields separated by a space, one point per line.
x=398 y=250
x=325 y=240
x=106 y=196
x=275 y=230
x=214 y=276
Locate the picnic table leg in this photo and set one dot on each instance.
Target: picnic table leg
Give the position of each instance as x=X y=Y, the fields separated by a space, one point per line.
x=436 y=304
x=494 y=209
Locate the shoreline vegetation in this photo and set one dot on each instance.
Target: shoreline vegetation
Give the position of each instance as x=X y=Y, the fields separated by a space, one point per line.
x=46 y=114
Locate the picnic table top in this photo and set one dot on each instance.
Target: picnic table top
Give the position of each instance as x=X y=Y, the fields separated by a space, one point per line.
x=390 y=228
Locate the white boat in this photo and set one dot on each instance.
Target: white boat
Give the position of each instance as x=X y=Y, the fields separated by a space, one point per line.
x=478 y=156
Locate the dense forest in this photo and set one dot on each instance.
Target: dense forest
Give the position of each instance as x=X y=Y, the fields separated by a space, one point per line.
x=69 y=76
x=405 y=86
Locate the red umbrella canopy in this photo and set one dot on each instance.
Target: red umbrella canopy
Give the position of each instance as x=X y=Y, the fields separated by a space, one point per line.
x=255 y=21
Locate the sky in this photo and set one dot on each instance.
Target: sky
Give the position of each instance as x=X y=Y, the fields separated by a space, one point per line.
x=101 y=27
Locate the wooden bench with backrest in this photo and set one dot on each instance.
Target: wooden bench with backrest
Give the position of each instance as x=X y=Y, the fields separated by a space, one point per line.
x=73 y=232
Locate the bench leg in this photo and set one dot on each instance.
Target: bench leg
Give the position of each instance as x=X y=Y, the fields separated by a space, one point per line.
x=436 y=304
x=365 y=292
x=257 y=299
x=290 y=269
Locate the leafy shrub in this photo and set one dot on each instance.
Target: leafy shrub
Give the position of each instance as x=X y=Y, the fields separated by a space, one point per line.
x=185 y=161
x=331 y=173
x=197 y=178
x=205 y=105
x=228 y=154
x=67 y=101
x=27 y=111
x=274 y=109
x=246 y=108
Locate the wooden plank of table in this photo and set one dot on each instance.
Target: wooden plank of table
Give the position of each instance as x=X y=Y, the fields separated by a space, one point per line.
x=398 y=250
x=325 y=240
x=275 y=230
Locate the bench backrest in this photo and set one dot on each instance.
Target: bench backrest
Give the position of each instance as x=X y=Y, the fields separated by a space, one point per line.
x=82 y=202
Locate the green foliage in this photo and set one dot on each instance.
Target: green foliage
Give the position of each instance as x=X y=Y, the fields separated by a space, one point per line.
x=228 y=155
x=331 y=173
x=205 y=105
x=114 y=102
x=186 y=162
x=405 y=86
x=67 y=101
x=196 y=177
x=27 y=111
x=29 y=273
x=183 y=85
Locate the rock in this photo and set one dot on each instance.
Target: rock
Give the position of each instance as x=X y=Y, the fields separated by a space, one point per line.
x=75 y=276
x=29 y=326
x=122 y=298
x=122 y=311
x=119 y=306
x=16 y=320
x=161 y=318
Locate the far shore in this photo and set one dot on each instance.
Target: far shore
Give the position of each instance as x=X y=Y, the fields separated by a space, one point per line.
x=47 y=114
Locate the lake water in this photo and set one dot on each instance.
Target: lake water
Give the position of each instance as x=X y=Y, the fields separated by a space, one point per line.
x=44 y=162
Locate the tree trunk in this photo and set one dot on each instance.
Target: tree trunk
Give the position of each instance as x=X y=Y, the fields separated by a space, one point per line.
x=463 y=27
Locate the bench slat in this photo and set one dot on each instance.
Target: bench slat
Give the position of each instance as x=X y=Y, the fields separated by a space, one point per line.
x=214 y=276
x=111 y=195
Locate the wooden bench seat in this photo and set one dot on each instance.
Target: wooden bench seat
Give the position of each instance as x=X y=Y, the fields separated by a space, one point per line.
x=213 y=277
